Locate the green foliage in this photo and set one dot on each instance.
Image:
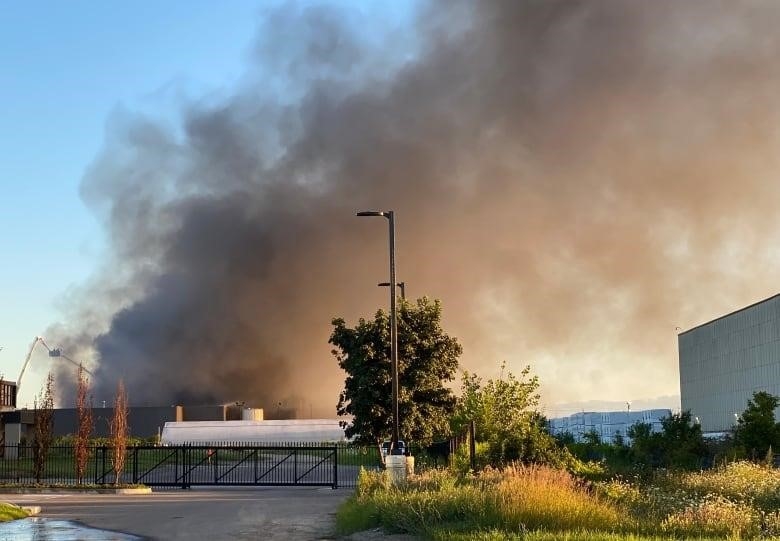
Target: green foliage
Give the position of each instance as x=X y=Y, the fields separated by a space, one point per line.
x=513 y=500
x=680 y=444
x=461 y=461
x=592 y=449
x=9 y=511
x=737 y=501
x=506 y=420
x=756 y=431
x=740 y=482
x=682 y=440
x=591 y=438
x=499 y=408
x=69 y=440
x=427 y=358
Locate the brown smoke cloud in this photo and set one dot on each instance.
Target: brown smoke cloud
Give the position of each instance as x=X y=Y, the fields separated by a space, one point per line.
x=573 y=180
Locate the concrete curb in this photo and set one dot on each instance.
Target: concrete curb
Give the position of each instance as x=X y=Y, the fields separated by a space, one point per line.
x=31 y=490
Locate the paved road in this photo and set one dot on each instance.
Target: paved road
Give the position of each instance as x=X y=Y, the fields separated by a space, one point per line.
x=272 y=513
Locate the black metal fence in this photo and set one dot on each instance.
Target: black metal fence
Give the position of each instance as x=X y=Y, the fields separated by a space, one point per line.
x=235 y=464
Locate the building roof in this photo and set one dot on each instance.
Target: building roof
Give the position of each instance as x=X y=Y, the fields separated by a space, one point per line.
x=280 y=431
x=730 y=314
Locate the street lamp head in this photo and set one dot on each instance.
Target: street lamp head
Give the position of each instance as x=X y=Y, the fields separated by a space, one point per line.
x=371 y=213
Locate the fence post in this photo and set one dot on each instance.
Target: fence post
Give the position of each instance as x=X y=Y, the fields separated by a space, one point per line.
x=335 y=467
x=472 y=446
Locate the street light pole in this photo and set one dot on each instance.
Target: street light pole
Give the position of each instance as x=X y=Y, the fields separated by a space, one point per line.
x=389 y=214
x=401 y=286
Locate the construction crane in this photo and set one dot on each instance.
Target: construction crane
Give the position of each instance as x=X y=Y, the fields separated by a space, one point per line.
x=53 y=352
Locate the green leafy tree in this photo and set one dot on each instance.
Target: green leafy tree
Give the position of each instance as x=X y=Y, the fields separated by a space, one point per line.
x=646 y=446
x=756 y=431
x=499 y=407
x=506 y=420
x=591 y=437
x=618 y=440
x=427 y=359
x=565 y=438
x=683 y=442
x=680 y=444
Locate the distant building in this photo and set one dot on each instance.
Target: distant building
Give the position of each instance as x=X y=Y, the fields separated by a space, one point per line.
x=253 y=431
x=7 y=395
x=724 y=361
x=607 y=424
x=143 y=421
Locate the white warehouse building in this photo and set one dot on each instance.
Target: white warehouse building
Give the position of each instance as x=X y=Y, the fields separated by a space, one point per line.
x=724 y=361
x=245 y=432
x=607 y=424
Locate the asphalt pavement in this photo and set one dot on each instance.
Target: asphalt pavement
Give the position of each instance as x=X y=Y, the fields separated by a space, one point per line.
x=214 y=514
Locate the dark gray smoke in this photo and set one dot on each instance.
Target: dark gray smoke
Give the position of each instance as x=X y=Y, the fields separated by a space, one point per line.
x=573 y=180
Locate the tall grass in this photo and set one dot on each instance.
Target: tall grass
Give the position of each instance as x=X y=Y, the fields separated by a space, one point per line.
x=739 y=500
x=518 y=499
x=745 y=482
x=10 y=511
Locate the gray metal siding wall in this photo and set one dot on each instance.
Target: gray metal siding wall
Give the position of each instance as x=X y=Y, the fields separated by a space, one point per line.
x=144 y=422
x=203 y=413
x=722 y=363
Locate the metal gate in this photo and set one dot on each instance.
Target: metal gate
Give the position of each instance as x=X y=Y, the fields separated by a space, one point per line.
x=186 y=466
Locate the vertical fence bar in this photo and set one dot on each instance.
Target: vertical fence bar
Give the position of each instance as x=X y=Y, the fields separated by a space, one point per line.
x=335 y=467
x=184 y=466
x=103 y=466
x=135 y=465
x=176 y=465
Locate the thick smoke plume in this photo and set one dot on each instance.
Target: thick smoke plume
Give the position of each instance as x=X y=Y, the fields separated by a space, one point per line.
x=573 y=179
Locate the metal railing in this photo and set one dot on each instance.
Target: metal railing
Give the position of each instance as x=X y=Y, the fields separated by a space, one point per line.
x=225 y=463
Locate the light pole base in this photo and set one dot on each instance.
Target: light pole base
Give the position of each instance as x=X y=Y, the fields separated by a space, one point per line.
x=399 y=468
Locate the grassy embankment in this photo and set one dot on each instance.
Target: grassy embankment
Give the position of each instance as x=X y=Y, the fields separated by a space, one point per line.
x=11 y=512
x=538 y=503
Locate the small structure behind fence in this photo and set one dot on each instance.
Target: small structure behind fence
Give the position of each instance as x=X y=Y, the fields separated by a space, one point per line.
x=226 y=464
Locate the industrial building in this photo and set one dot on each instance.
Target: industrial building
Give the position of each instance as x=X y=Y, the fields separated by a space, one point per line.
x=606 y=424
x=724 y=361
x=144 y=422
x=255 y=431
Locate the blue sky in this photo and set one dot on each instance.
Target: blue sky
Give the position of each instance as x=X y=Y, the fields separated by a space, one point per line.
x=65 y=66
